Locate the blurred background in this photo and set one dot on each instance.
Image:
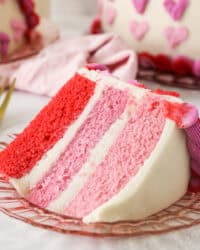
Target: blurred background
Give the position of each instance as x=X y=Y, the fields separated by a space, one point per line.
x=71 y=16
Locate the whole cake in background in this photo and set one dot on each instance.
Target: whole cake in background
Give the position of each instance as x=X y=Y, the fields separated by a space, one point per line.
x=104 y=150
x=18 y=19
x=165 y=33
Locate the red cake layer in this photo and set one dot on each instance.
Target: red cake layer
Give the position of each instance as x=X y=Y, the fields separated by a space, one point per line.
x=47 y=128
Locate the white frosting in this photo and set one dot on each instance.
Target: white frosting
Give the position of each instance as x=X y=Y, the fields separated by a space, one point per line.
x=108 y=80
x=159 y=183
x=158 y=19
x=8 y=11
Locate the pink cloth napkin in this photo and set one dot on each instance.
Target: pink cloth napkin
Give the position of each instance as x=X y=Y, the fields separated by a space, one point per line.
x=45 y=73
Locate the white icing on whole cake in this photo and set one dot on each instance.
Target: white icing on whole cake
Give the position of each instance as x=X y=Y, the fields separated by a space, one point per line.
x=157 y=27
x=157 y=19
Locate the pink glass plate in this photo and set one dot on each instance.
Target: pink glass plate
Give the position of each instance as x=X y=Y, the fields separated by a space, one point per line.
x=183 y=214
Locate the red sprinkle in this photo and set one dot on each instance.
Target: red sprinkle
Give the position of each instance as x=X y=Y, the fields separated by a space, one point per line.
x=141 y=85
x=165 y=92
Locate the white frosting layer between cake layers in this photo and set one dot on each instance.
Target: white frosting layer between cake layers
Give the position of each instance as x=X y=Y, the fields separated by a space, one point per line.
x=158 y=19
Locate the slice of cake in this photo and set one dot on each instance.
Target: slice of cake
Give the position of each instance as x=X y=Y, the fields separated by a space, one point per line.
x=164 y=33
x=103 y=150
x=18 y=19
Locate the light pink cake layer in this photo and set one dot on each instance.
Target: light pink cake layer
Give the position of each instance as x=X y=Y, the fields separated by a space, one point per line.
x=133 y=146
x=105 y=112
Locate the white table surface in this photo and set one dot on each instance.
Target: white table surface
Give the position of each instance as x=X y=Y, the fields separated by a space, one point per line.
x=16 y=235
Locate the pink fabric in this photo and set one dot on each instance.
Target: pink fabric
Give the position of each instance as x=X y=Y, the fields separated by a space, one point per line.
x=45 y=73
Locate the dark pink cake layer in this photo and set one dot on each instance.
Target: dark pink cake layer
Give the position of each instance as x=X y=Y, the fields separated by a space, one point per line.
x=47 y=128
x=127 y=155
x=105 y=112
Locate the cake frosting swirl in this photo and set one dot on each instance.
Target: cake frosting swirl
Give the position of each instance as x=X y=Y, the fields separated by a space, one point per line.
x=164 y=33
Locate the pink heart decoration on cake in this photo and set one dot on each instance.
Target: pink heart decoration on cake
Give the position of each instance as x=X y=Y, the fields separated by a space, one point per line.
x=176 y=8
x=176 y=36
x=139 y=29
x=110 y=13
x=140 y=5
